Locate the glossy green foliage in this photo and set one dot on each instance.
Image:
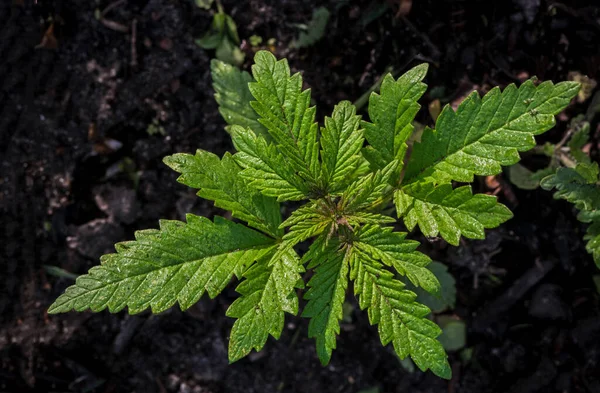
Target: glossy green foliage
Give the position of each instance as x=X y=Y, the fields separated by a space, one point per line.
x=177 y=263
x=267 y=293
x=347 y=175
x=400 y=319
x=448 y=212
x=581 y=187
x=392 y=113
x=486 y=133
x=219 y=181
x=233 y=96
x=326 y=294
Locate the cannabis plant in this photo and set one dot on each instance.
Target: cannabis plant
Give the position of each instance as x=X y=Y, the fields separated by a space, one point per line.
x=572 y=173
x=343 y=177
x=580 y=185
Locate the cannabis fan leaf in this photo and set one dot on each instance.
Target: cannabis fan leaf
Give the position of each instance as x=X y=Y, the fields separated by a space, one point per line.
x=344 y=177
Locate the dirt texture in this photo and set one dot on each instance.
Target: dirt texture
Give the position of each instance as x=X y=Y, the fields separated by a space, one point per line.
x=93 y=94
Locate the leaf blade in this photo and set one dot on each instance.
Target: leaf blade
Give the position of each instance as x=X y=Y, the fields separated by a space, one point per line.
x=484 y=134
x=448 y=212
x=326 y=295
x=341 y=142
x=399 y=318
x=391 y=113
x=162 y=267
x=233 y=96
x=267 y=293
x=220 y=181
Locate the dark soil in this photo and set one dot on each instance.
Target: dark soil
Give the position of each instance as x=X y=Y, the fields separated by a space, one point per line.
x=80 y=171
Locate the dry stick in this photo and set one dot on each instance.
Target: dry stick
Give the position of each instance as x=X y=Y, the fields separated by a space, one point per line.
x=111 y=6
x=495 y=311
x=134 y=62
x=110 y=23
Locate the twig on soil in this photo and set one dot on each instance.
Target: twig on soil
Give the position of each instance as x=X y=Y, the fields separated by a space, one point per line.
x=494 y=311
x=134 y=61
x=111 y=24
x=116 y=26
x=110 y=7
x=435 y=52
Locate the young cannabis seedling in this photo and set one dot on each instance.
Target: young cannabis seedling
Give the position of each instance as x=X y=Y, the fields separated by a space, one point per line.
x=346 y=173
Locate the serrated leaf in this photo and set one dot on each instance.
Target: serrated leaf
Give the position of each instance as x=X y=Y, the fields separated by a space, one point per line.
x=314 y=30
x=449 y=212
x=579 y=185
x=219 y=181
x=304 y=223
x=392 y=113
x=265 y=168
x=542 y=173
x=484 y=134
x=341 y=142
x=233 y=96
x=368 y=191
x=177 y=263
x=326 y=297
x=284 y=109
x=579 y=139
x=400 y=319
x=358 y=218
x=393 y=249
x=267 y=294
x=447 y=296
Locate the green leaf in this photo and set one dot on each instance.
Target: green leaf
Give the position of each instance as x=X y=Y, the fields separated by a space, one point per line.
x=579 y=139
x=447 y=296
x=577 y=185
x=592 y=236
x=326 y=297
x=219 y=181
x=177 y=263
x=304 y=223
x=223 y=37
x=206 y=4
x=233 y=96
x=267 y=293
x=230 y=52
x=454 y=333
x=400 y=319
x=448 y=212
x=341 y=142
x=265 y=168
x=522 y=177
x=392 y=113
x=369 y=191
x=314 y=30
x=542 y=173
x=358 y=218
x=284 y=109
x=484 y=134
x=393 y=249
x=213 y=37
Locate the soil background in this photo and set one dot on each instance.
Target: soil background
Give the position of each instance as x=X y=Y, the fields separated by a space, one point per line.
x=88 y=109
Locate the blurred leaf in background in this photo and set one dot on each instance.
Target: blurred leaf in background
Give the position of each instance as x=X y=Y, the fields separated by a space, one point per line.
x=224 y=38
